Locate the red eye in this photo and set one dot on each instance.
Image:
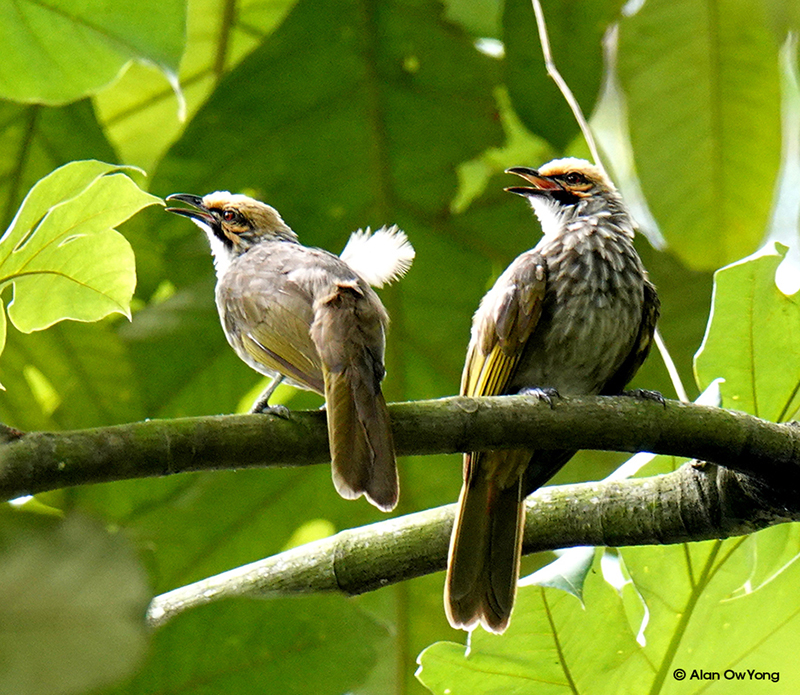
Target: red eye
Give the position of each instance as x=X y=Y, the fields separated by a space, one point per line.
x=228 y=215
x=573 y=178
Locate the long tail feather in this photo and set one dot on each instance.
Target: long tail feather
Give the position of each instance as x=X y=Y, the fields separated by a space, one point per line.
x=485 y=548
x=362 y=450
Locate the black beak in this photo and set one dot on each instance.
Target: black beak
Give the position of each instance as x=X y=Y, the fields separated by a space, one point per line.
x=198 y=212
x=542 y=185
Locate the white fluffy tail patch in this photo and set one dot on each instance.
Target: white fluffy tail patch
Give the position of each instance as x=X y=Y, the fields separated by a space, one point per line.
x=379 y=258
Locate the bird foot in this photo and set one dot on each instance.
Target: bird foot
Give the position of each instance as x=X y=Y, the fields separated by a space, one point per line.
x=543 y=394
x=646 y=395
x=280 y=411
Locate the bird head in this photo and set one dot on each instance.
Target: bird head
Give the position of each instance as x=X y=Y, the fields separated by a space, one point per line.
x=233 y=223
x=565 y=189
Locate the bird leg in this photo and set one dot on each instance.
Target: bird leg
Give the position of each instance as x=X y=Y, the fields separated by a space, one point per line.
x=646 y=395
x=262 y=405
x=546 y=394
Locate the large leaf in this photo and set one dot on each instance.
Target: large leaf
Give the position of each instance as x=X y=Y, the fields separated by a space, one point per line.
x=703 y=91
x=551 y=647
x=141 y=113
x=720 y=606
x=182 y=353
x=751 y=340
x=61 y=252
x=57 y=51
x=707 y=610
x=72 y=606
x=355 y=129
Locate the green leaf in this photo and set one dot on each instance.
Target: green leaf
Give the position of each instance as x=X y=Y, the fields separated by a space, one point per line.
x=181 y=354
x=62 y=254
x=551 y=646
x=576 y=32
x=263 y=647
x=141 y=112
x=703 y=93
x=568 y=572
x=713 y=606
x=479 y=17
x=57 y=51
x=368 y=109
x=751 y=339
x=72 y=606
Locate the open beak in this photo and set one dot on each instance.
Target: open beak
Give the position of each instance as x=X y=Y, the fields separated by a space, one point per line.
x=197 y=212
x=541 y=185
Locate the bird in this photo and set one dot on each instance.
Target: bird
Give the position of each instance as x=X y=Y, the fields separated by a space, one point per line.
x=311 y=318
x=575 y=315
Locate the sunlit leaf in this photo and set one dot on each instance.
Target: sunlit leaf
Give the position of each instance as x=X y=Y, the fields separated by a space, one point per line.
x=141 y=113
x=550 y=647
x=703 y=92
x=61 y=252
x=705 y=613
x=57 y=51
x=752 y=322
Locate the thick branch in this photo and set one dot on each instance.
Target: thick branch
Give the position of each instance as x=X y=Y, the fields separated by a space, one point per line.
x=696 y=502
x=38 y=461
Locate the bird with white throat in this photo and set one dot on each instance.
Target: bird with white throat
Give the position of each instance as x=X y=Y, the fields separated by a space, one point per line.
x=575 y=315
x=311 y=318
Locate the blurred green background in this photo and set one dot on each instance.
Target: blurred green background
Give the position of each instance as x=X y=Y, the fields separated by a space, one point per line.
x=346 y=114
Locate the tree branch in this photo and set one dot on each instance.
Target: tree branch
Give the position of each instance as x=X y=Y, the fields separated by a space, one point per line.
x=696 y=502
x=757 y=489
x=39 y=461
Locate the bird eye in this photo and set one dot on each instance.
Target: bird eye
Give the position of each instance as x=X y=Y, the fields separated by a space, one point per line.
x=573 y=178
x=228 y=215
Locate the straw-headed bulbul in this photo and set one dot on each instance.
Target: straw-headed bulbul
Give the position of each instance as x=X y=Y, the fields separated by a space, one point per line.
x=575 y=315
x=307 y=316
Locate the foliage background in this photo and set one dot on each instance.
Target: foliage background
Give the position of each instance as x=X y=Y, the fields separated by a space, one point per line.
x=344 y=114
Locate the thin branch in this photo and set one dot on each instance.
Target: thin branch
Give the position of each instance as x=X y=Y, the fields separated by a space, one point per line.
x=552 y=70
x=672 y=370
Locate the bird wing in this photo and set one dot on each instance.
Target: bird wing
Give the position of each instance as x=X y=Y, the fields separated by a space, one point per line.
x=269 y=316
x=483 y=563
x=651 y=308
x=504 y=322
x=291 y=359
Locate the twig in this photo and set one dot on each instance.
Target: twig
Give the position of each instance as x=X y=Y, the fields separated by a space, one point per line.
x=553 y=72
x=672 y=370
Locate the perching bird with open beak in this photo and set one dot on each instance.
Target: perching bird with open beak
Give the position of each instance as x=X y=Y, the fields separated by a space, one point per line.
x=573 y=316
x=311 y=318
